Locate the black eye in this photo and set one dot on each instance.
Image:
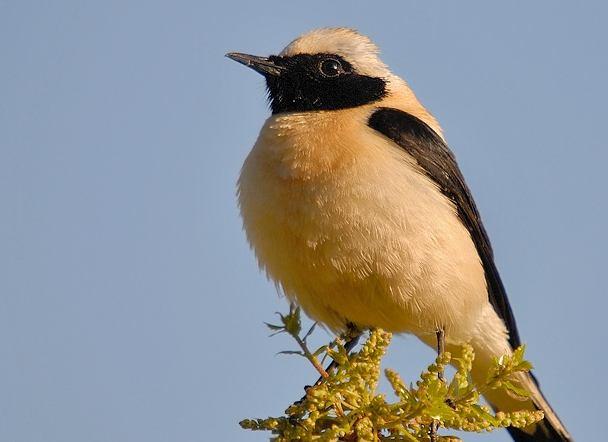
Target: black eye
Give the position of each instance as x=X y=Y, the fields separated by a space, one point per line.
x=330 y=67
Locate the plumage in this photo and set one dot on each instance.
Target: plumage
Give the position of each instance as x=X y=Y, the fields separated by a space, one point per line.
x=438 y=162
x=356 y=208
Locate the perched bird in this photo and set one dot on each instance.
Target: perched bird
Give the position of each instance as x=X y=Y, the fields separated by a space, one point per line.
x=356 y=208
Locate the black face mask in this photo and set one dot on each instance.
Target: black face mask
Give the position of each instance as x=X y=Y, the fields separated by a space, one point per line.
x=319 y=82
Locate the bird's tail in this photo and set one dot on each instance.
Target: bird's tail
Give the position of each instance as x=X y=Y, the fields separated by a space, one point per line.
x=549 y=429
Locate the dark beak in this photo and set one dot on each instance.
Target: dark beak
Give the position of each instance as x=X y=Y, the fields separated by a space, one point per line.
x=259 y=64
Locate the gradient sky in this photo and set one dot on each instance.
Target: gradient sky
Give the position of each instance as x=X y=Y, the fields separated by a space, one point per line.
x=131 y=308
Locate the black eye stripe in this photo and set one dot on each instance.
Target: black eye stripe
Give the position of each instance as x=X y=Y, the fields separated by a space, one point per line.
x=312 y=82
x=310 y=62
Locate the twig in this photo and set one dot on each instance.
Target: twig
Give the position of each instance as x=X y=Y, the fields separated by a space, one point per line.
x=315 y=362
x=312 y=358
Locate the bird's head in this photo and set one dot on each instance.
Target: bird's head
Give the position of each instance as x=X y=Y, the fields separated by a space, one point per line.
x=330 y=69
x=325 y=69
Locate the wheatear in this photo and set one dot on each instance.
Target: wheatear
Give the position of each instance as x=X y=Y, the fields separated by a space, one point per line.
x=356 y=208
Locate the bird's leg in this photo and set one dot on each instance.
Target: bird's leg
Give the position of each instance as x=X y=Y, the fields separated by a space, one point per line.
x=440 y=333
x=433 y=431
x=440 y=347
x=351 y=337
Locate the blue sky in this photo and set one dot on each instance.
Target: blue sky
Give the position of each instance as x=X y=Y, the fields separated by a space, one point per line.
x=131 y=308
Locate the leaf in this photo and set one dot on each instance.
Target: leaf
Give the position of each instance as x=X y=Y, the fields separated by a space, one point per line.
x=274 y=327
x=518 y=354
x=309 y=332
x=291 y=352
x=524 y=366
x=347 y=405
x=515 y=391
x=322 y=349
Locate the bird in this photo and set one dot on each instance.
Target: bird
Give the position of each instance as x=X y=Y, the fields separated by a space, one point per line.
x=356 y=208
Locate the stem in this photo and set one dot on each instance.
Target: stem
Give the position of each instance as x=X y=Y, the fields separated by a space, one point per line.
x=315 y=362
x=312 y=358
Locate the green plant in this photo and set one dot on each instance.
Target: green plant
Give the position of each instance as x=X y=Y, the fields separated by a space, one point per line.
x=346 y=405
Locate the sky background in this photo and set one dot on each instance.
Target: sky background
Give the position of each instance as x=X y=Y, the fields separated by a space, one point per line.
x=131 y=308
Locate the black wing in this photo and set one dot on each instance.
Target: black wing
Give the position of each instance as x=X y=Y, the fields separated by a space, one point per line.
x=439 y=163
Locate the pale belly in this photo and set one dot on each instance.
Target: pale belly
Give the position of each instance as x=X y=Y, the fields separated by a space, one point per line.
x=369 y=241
x=349 y=228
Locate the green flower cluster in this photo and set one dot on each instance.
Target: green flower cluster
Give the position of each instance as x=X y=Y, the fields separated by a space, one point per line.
x=345 y=405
